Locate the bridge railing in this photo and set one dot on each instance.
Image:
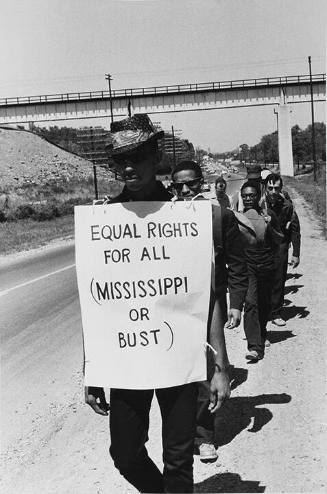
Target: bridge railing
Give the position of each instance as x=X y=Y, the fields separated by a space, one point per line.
x=154 y=90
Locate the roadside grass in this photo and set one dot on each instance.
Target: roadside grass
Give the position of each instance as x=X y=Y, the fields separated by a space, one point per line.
x=313 y=192
x=29 y=234
x=44 y=215
x=51 y=199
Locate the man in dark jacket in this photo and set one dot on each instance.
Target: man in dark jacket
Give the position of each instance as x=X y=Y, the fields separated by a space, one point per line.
x=187 y=181
x=282 y=206
x=260 y=259
x=134 y=150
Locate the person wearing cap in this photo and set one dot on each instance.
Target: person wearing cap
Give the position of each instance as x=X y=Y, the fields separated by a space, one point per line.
x=187 y=180
x=280 y=203
x=221 y=195
x=133 y=147
x=264 y=174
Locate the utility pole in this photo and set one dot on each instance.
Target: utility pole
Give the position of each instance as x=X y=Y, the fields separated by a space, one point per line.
x=174 y=152
x=95 y=182
x=94 y=167
x=109 y=79
x=313 y=137
x=276 y=113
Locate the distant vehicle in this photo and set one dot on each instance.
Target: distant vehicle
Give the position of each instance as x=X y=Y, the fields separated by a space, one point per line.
x=206 y=187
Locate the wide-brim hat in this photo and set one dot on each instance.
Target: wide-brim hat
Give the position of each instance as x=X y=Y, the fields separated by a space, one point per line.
x=131 y=133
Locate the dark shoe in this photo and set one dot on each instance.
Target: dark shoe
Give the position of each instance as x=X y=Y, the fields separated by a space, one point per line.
x=208 y=452
x=253 y=356
x=278 y=321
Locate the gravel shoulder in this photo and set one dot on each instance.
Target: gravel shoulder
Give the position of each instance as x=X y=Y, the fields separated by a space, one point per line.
x=271 y=432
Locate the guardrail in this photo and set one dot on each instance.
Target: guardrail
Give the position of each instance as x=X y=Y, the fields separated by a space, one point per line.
x=176 y=88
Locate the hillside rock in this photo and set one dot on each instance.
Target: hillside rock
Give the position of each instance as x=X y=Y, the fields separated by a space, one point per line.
x=26 y=158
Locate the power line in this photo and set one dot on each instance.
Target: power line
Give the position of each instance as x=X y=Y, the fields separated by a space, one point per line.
x=97 y=76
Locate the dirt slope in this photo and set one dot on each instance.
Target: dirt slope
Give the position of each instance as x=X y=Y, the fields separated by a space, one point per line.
x=26 y=158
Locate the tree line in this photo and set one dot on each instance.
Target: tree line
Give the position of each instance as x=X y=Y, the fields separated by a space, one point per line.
x=64 y=137
x=266 y=151
x=73 y=140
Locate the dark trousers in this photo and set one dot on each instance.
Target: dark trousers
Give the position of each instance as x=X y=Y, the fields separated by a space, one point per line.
x=277 y=298
x=205 y=421
x=257 y=308
x=129 y=425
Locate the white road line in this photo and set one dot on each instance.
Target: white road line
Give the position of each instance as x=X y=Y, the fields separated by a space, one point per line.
x=4 y=292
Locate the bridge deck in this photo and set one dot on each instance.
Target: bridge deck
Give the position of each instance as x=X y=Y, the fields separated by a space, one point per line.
x=264 y=82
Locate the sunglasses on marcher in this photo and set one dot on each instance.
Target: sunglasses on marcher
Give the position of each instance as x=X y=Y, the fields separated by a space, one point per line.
x=190 y=183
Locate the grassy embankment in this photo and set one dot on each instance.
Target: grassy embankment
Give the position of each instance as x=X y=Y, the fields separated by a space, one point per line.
x=313 y=192
x=46 y=213
x=51 y=217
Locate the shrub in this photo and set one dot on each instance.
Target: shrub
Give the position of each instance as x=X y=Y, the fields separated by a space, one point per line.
x=23 y=211
x=45 y=212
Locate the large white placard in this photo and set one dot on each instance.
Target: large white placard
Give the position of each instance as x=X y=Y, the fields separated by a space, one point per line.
x=143 y=271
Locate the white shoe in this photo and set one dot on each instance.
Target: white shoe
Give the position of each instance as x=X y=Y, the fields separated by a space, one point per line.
x=278 y=321
x=207 y=452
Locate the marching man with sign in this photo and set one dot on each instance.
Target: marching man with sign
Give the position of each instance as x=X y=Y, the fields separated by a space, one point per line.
x=144 y=280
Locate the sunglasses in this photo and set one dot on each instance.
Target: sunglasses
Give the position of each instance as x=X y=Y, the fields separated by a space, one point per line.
x=190 y=183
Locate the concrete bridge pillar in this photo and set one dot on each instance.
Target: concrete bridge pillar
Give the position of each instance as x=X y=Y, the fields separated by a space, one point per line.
x=285 y=141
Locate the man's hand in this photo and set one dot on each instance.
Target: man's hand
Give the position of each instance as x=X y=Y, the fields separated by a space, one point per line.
x=219 y=390
x=295 y=261
x=234 y=319
x=96 y=398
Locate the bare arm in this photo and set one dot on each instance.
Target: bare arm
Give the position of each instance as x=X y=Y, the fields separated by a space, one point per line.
x=220 y=385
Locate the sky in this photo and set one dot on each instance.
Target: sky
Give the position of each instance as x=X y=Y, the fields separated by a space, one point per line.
x=55 y=46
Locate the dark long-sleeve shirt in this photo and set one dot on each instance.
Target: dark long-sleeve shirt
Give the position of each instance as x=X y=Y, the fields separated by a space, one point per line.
x=260 y=256
x=230 y=266
x=288 y=220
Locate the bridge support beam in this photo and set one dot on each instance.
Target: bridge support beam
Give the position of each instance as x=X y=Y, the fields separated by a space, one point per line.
x=285 y=141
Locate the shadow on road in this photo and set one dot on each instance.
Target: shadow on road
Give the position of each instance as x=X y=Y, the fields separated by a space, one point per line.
x=238 y=412
x=228 y=482
x=295 y=311
x=292 y=288
x=238 y=376
x=277 y=336
x=294 y=276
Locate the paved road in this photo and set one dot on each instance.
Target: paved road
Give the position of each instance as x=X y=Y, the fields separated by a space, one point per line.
x=24 y=269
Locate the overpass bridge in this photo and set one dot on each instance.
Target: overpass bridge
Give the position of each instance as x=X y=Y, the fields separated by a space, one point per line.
x=163 y=99
x=175 y=98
